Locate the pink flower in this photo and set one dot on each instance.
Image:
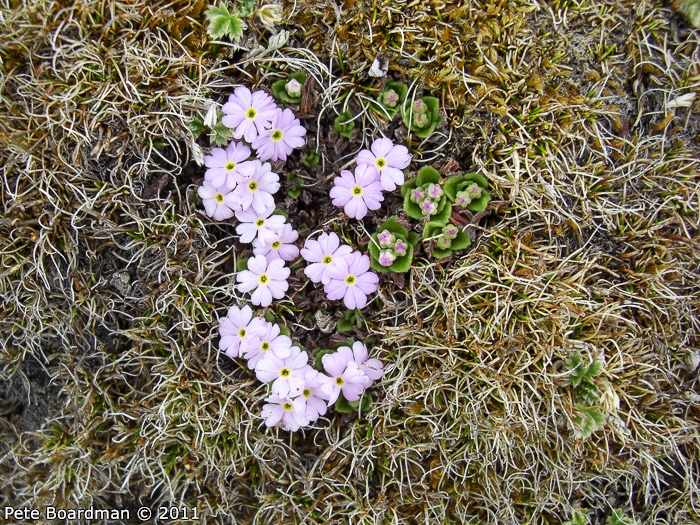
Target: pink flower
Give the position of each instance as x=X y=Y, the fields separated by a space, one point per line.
x=372 y=368
x=238 y=330
x=280 y=246
x=290 y=412
x=346 y=376
x=228 y=167
x=270 y=342
x=286 y=134
x=218 y=203
x=262 y=225
x=322 y=254
x=267 y=279
x=258 y=188
x=248 y=114
x=314 y=394
x=359 y=192
x=388 y=159
x=288 y=375
x=351 y=280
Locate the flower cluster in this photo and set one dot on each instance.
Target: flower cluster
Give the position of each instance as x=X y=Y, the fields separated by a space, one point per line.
x=425 y=197
x=379 y=168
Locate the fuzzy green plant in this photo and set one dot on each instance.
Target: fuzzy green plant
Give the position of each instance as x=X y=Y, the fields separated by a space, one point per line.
x=223 y=23
x=470 y=190
x=391 y=248
x=578 y=518
x=344 y=124
x=247 y=8
x=422 y=116
x=423 y=196
x=618 y=518
x=588 y=420
x=448 y=239
x=690 y=9
x=290 y=89
x=310 y=159
x=582 y=377
x=392 y=98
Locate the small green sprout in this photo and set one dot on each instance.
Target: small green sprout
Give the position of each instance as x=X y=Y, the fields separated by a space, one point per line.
x=422 y=116
x=470 y=191
x=224 y=24
x=581 y=378
x=425 y=197
x=294 y=185
x=344 y=124
x=448 y=239
x=391 y=248
x=310 y=159
x=290 y=89
x=589 y=420
x=351 y=319
x=690 y=9
x=578 y=518
x=618 y=518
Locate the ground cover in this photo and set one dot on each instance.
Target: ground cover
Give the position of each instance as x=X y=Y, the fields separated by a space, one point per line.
x=582 y=117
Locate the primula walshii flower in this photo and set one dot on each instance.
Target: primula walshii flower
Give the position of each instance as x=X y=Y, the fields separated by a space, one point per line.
x=270 y=342
x=434 y=191
x=373 y=368
x=386 y=258
x=359 y=192
x=238 y=330
x=248 y=114
x=462 y=198
x=388 y=160
x=443 y=243
x=420 y=120
x=314 y=394
x=279 y=141
x=419 y=107
x=417 y=195
x=346 y=376
x=289 y=412
x=279 y=246
x=228 y=167
x=267 y=279
x=474 y=191
x=263 y=225
x=400 y=248
x=257 y=190
x=287 y=375
x=429 y=207
x=220 y=203
x=293 y=88
x=351 y=280
x=322 y=255
x=450 y=231
x=386 y=238
x=390 y=98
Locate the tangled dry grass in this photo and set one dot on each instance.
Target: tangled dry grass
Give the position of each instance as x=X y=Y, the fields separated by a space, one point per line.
x=582 y=116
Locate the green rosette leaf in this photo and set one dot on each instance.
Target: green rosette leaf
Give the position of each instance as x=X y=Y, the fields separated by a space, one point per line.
x=444 y=211
x=433 y=114
x=458 y=183
x=427 y=175
x=480 y=203
x=344 y=406
x=278 y=88
x=344 y=124
x=401 y=90
x=460 y=242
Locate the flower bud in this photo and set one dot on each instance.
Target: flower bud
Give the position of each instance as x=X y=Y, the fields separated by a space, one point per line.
x=434 y=191
x=474 y=191
x=417 y=195
x=450 y=231
x=386 y=238
x=293 y=88
x=420 y=120
x=419 y=107
x=386 y=258
x=400 y=248
x=389 y=98
x=443 y=243
x=462 y=198
x=429 y=207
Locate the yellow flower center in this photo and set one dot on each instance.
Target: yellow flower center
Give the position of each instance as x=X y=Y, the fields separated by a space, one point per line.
x=276 y=135
x=219 y=198
x=275 y=245
x=357 y=191
x=287 y=406
x=285 y=372
x=241 y=333
x=259 y=222
x=380 y=163
x=251 y=114
x=339 y=381
x=306 y=393
x=252 y=185
x=350 y=280
x=327 y=259
x=263 y=278
x=230 y=166
x=265 y=346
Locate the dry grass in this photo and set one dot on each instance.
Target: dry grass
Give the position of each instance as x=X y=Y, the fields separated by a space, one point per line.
x=112 y=277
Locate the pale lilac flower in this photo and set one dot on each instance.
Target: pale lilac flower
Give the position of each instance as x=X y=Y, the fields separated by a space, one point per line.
x=314 y=394
x=388 y=159
x=346 y=376
x=359 y=192
x=263 y=225
x=429 y=207
x=270 y=342
x=373 y=368
x=219 y=204
x=257 y=190
x=386 y=258
x=351 y=280
x=248 y=114
x=267 y=279
x=279 y=246
x=386 y=238
x=279 y=141
x=400 y=248
x=288 y=375
x=289 y=412
x=434 y=191
x=238 y=329
x=228 y=167
x=323 y=254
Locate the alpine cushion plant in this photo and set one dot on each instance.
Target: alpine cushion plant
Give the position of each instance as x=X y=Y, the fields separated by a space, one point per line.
x=470 y=191
x=447 y=239
x=424 y=197
x=391 y=248
x=422 y=116
x=289 y=89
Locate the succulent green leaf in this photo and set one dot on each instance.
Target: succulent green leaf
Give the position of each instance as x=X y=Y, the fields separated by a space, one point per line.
x=578 y=518
x=480 y=203
x=458 y=183
x=461 y=242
